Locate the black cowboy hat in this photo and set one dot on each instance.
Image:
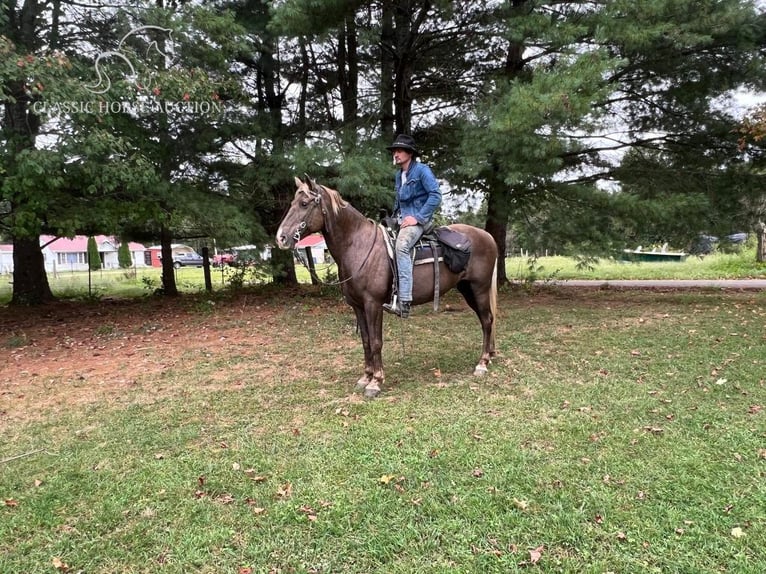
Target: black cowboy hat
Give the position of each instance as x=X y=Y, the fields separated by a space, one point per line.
x=404 y=142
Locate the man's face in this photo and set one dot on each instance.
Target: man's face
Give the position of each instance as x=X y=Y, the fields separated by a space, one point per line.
x=401 y=156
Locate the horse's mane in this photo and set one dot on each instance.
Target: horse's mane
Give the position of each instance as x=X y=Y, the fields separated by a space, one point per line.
x=335 y=200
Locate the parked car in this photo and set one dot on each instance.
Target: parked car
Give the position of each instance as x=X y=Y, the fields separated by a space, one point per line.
x=187 y=260
x=224 y=258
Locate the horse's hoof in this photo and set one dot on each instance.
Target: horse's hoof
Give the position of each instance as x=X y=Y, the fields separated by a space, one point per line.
x=480 y=370
x=371 y=391
x=361 y=385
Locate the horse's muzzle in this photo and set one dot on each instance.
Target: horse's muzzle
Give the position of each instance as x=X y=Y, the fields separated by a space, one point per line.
x=284 y=241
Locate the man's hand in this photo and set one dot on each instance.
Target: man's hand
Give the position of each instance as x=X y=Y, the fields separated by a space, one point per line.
x=408 y=221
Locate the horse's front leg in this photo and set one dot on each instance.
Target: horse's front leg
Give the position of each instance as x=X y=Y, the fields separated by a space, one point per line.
x=364 y=331
x=370 y=321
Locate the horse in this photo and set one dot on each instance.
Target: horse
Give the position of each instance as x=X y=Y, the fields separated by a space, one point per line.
x=365 y=271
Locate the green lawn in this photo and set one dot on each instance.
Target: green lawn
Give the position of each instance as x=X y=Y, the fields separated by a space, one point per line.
x=616 y=432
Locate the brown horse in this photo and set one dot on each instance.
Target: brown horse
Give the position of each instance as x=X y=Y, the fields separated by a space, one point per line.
x=358 y=246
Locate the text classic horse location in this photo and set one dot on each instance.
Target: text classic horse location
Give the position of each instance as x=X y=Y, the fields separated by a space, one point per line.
x=358 y=246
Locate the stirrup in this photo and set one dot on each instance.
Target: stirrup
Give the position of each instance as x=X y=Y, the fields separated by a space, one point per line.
x=398 y=308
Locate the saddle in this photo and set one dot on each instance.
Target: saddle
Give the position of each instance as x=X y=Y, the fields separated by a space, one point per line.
x=436 y=245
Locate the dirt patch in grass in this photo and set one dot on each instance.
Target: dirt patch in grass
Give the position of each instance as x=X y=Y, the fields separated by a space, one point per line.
x=70 y=353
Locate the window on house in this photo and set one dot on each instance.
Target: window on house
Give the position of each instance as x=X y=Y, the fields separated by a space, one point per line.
x=71 y=258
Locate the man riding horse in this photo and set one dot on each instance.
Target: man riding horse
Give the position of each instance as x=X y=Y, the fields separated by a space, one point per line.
x=417 y=198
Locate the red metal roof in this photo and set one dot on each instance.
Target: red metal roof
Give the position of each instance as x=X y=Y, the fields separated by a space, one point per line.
x=79 y=243
x=311 y=241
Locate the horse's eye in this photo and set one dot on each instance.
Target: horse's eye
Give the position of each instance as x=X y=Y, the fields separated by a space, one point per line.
x=304 y=204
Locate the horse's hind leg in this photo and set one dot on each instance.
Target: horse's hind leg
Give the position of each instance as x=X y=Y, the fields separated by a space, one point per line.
x=480 y=300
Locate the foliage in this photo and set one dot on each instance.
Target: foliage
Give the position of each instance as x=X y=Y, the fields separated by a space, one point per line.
x=124 y=257
x=94 y=258
x=573 y=120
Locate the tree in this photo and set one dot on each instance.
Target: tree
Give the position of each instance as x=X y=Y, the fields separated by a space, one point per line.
x=124 y=258
x=752 y=140
x=129 y=153
x=587 y=81
x=94 y=258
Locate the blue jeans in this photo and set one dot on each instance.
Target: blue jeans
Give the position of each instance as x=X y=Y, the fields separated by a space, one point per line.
x=405 y=241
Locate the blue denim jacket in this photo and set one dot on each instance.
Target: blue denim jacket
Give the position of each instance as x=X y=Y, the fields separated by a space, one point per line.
x=420 y=196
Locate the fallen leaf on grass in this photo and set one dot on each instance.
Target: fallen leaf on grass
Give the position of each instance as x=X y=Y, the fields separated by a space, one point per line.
x=254 y=476
x=245 y=570
x=386 y=478
x=737 y=532
x=309 y=512
x=477 y=473
x=536 y=554
x=755 y=409
x=10 y=502
x=59 y=564
x=224 y=498
x=285 y=491
x=520 y=504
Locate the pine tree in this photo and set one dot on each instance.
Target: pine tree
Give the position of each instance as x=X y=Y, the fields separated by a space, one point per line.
x=94 y=257
x=124 y=257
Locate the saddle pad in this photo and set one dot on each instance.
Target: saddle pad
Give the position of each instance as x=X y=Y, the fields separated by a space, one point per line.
x=424 y=253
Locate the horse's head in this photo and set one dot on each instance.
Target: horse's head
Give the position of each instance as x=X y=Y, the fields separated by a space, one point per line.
x=305 y=216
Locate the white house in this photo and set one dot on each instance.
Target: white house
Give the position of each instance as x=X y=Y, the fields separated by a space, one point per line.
x=6 y=259
x=317 y=244
x=64 y=254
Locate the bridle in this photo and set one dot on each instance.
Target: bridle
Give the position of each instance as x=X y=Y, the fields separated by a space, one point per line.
x=317 y=199
x=302 y=225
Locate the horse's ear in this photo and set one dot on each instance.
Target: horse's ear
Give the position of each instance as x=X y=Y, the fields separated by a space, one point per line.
x=298 y=182
x=309 y=181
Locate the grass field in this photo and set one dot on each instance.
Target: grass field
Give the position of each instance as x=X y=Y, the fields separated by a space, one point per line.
x=616 y=432
x=139 y=282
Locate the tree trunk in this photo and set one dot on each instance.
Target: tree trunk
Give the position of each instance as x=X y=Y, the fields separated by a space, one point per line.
x=387 y=73
x=30 y=281
x=497 y=227
x=760 y=252
x=348 y=80
x=283 y=267
x=169 y=287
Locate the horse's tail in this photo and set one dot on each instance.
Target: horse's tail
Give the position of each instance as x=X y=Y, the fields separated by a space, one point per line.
x=493 y=306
